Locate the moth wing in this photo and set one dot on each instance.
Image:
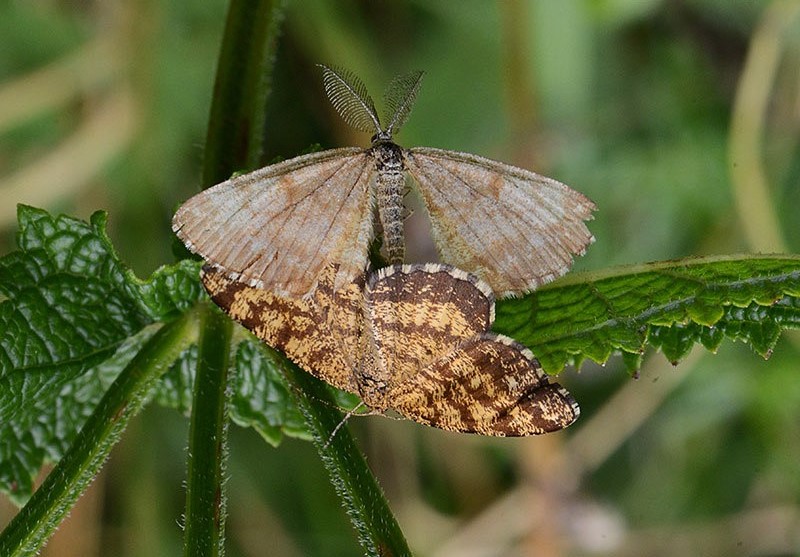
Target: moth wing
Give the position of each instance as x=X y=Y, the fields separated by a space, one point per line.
x=419 y=312
x=513 y=228
x=296 y=327
x=279 y=227
x=340 y=313
x=489 y=385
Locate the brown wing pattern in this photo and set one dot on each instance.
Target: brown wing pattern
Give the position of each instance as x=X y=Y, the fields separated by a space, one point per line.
x=489 y=385
x=296 y=327
x=279 y=227
x=418 y=312
x=513 y=228
x=415 y=340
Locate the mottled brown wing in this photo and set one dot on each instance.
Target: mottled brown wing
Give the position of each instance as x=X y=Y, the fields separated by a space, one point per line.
x=279 y=227
x=340 y=313
x=299 y=328
x=416 y=313
x=489 y=385
x=514 y=229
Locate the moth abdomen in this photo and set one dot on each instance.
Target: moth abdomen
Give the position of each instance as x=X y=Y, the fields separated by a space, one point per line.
x=390 y=188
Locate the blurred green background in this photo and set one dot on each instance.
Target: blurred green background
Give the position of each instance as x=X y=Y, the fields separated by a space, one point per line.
x=679 y=118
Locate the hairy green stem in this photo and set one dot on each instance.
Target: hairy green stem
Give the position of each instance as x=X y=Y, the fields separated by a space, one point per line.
x=378 y=531
x=233 y=142
x=31 y=528
x=236 y=123
x=205 y=496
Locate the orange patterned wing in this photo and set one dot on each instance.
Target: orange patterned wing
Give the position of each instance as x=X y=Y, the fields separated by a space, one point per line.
x=490 y=385
x=320 y=341
x=279 y=227
x=514 y=229
x=415 y=341
x=418 y=312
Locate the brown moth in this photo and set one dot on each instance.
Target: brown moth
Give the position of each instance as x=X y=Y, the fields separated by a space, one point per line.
x=280 y=227
x=414 y=339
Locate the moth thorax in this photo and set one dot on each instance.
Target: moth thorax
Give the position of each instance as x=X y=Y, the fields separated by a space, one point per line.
x=390 y=184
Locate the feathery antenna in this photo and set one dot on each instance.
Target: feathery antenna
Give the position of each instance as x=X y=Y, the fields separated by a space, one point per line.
x=350 y=98
x=398 y=99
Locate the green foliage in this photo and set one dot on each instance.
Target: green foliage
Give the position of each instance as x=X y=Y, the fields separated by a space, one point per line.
x=74 y=317
x=125 y=397
x=671 y=306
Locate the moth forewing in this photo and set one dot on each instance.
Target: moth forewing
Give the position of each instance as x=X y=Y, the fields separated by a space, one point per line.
x=513 y=228
x=293 y=326
x=278 y=227
x=442 y=367
x=423 y=311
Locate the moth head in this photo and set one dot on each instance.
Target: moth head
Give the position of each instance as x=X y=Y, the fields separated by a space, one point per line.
x=381 y=137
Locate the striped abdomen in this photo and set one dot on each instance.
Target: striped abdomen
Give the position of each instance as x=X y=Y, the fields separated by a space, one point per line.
x=390 y=184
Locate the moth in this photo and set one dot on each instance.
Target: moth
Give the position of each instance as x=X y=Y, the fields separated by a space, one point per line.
x=279 y=227
x=411 y=338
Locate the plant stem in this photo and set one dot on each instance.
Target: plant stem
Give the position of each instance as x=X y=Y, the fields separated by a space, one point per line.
x=233 y=142
x=205 y=496
x=236 y=122
x=378 y=531
x=31 y=528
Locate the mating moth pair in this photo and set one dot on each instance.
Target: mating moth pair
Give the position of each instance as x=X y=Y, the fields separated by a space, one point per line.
x=287 y=250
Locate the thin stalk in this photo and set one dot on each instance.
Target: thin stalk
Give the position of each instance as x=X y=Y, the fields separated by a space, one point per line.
x=233 y=142
x=205 y=496
x=377 y=529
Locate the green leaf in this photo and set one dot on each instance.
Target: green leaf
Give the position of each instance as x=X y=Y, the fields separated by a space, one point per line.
x=74 y=316
x=66 y=330
x=262 y=399
x=671 y=305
